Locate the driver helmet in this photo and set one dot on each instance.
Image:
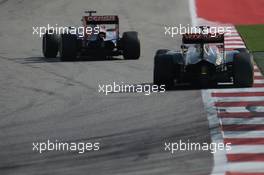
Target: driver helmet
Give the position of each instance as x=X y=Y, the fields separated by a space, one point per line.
x=102 y=32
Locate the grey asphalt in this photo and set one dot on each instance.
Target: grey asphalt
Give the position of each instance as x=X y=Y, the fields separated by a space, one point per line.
x=47 y=99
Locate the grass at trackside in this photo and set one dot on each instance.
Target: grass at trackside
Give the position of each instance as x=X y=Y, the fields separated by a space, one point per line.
x=253 y=36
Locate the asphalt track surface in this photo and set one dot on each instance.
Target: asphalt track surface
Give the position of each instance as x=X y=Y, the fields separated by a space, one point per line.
x=47 y=99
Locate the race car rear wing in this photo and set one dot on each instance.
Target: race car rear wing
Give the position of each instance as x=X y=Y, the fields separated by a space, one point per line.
x=107 y=19
x=198 y=38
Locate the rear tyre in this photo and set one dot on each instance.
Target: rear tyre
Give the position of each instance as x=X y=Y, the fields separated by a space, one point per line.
x=50 y=45
x=130 y=45
x=243 y=70
x=68 y=47
x=163 y=71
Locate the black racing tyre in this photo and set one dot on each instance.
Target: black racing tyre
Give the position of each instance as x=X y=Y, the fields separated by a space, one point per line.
x=163 y=71
x=243 y=70
x=50 y=45
x=68 y=47
x=161 y=51
x=130 y=45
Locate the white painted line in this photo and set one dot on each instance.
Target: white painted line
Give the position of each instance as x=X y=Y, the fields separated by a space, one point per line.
x=234 y=42
x=236 y=90
x=235 y=46
x=241 y=109
x=231 y=26
x=232 y=109
x=232 y=34
x=246 y=149
x=229 y=34
x=243 y=134
x=235 y=99
x=257 y=73
x=220 y=159
x=242 y=121
x=258 y=81
x=246 y=167
x=233 y=30
x=233 y=38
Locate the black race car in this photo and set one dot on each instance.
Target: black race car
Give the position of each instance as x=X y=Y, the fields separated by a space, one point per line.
x=203 y=61
x=100 y=39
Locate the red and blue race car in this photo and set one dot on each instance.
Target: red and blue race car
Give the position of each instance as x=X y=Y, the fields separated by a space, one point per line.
x=99 y=39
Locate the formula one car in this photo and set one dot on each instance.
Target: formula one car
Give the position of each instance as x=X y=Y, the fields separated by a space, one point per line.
x=203 y=61
x=100 y=39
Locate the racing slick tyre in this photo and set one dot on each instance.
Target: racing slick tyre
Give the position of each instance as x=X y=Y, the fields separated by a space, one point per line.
x=243 y=70
x=163 y=71
x=50 y=45
x=68 y=47
x=131 y=46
